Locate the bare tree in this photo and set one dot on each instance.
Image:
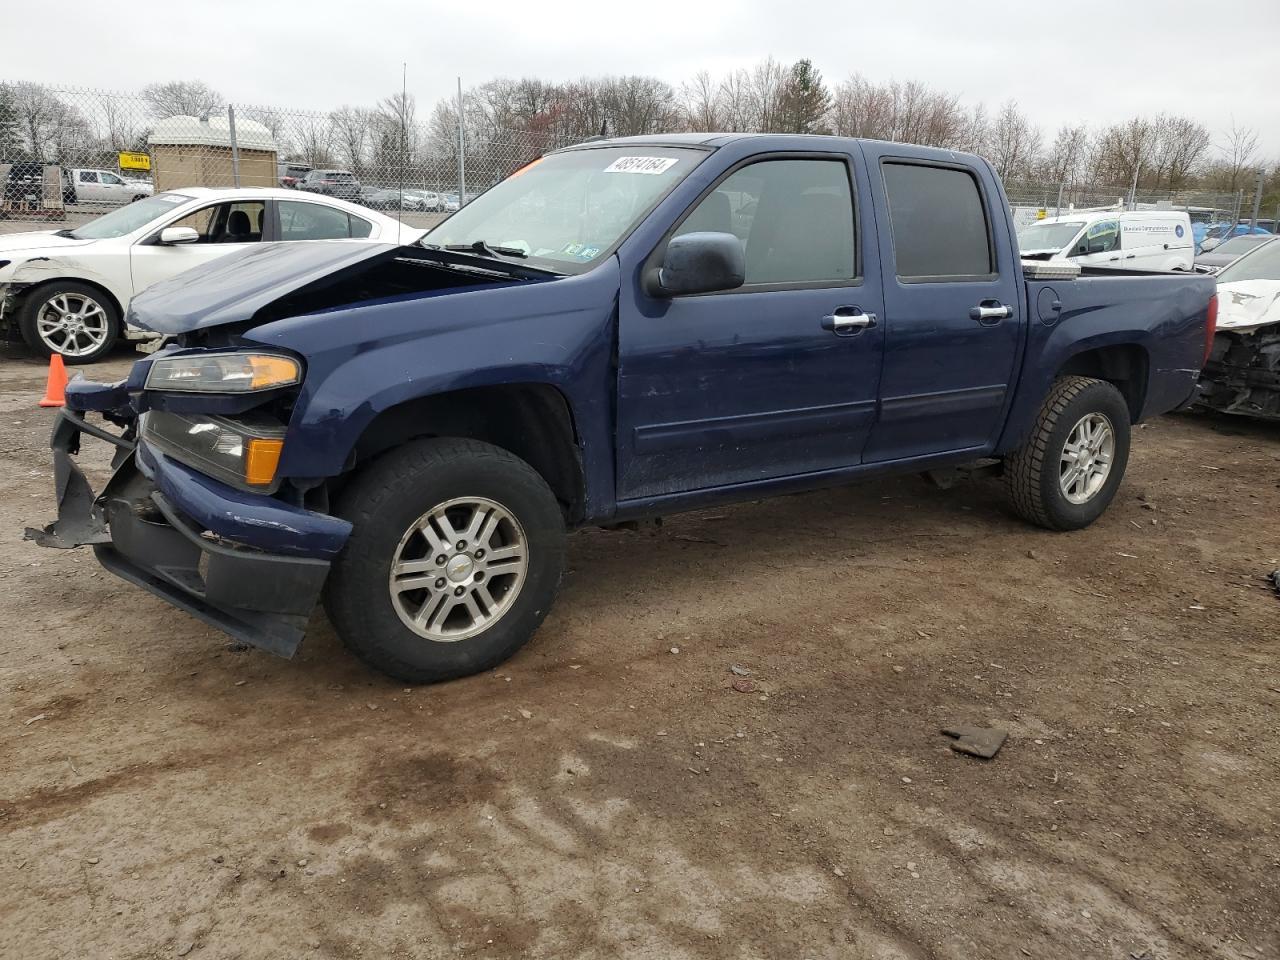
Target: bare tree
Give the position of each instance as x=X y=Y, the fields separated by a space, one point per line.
x=351 y=128
x=1013 y=144
x=1065 y=160
x=52 y=131
x=1239 y=152
x=701 y=100
x=182 y=98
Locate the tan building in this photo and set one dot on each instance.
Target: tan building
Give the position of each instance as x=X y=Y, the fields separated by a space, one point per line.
x=196 y=152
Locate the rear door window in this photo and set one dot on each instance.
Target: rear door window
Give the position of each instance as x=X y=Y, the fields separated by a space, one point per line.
x=939 y=223
x=314 y=221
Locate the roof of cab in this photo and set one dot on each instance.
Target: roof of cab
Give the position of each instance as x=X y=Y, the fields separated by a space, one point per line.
x=785 y=141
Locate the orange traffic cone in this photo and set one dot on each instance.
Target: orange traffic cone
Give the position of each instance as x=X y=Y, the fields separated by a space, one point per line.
x=55 y=394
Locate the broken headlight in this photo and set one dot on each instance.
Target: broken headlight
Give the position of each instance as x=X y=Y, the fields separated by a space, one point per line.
x=243 y=451
x=224 y=373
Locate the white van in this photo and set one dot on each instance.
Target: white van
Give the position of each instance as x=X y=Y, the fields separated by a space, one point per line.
x=1128 y=240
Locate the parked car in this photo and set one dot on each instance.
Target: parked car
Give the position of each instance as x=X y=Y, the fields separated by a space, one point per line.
x=410 y=430
x=291 y=174
x=1242 y=375
x=450 y=202
x=68 y=291
x=1217 y=233
x=1129 y=240
x=1230 y=250
x=427 y=201
x=23 y=184
x=332 y=183
x=103 y=186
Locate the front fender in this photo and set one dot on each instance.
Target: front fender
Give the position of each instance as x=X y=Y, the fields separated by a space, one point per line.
x=556 y=332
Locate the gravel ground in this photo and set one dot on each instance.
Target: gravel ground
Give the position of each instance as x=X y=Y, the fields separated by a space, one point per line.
x=603 y=795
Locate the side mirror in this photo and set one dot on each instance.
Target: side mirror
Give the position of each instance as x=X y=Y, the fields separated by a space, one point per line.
x=699 y=263
x=174 y=235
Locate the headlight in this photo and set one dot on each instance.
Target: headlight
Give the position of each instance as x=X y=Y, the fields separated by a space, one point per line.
x=224 y=373
x=243 y=451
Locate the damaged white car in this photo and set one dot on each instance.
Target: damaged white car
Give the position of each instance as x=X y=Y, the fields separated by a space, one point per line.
x=1242 y=374
x=68 y=291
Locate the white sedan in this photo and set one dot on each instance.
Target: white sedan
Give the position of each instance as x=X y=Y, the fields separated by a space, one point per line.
x=68 y=291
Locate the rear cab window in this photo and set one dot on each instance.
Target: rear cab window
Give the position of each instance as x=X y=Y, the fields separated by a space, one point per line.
x=939 y=223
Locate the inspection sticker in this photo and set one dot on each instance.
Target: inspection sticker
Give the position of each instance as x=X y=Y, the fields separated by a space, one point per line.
x=642 y=165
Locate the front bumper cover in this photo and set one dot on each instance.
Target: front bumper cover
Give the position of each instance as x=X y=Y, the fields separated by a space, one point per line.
x=140 y=534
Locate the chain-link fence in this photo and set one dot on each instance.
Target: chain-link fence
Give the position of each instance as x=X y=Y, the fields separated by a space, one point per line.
x=1032 y=200
x=69 y=154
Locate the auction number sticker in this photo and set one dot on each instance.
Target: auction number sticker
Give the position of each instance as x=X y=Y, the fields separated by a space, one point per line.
x=651 y=165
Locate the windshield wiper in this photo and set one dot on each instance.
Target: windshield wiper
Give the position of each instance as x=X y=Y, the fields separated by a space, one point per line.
x=68 y=233
x=487 y=249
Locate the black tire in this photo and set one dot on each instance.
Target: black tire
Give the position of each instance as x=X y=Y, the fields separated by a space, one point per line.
x=1032 y=473
x=384 y=501
x=35 y=301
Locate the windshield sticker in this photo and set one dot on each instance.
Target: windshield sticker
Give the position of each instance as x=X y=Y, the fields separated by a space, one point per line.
x=587 y=253
x=172 y=198
x=650 y=165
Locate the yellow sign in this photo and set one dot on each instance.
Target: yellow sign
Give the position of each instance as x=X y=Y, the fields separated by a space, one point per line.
x=135 y=161
x=1041 y=214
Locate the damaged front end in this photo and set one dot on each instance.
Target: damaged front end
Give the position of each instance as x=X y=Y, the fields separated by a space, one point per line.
x=246 y=562
x=1242 y=375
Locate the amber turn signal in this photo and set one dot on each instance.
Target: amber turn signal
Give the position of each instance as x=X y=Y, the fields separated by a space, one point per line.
x=260 y=461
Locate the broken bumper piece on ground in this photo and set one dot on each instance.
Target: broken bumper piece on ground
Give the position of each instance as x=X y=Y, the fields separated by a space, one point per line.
x=197 y=543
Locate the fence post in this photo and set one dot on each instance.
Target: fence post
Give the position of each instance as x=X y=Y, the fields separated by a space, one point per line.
x=1257 y=199
x=235 y=147
x=1057 y=210
x=462 y=152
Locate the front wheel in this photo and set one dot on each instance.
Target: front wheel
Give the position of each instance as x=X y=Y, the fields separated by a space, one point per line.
x=74 y=320
x=1068 y=471
x=454 y=559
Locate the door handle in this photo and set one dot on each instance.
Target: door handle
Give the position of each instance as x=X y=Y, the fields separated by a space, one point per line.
x=990 y=312
x=847 y=321
x=1132 y=255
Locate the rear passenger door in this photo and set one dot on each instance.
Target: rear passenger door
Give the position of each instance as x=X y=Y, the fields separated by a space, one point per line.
x=952 y=306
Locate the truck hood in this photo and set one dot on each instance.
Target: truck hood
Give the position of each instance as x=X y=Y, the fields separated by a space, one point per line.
x=1249 y=304
x=42 y=241
x=235 y=287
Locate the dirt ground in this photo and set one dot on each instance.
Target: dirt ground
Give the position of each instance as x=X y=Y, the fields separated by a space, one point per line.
x=604 y=795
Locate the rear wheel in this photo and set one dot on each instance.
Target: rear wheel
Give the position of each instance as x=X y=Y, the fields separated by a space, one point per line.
x=454 y=560
x=72 y=319
x=1068 y=471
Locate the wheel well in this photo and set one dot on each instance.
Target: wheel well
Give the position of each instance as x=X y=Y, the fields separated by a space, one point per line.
x=1125 y=366
x=22 y=297
x=533 y=421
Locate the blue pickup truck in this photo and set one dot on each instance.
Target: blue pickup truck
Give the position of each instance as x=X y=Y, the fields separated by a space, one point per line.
x=619 y=330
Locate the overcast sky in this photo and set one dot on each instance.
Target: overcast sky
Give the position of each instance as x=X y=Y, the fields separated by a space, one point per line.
x=1093 y=61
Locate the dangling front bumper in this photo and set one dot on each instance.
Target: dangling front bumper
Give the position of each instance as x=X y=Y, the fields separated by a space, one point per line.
x=248 y=564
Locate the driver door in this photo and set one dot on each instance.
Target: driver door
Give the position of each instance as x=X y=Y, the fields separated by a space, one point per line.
x=223 y=228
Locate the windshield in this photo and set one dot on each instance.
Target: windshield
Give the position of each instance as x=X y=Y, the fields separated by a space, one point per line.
x=1047 y=236
x=1263 y=263
x=568 y=210
x=128 y=218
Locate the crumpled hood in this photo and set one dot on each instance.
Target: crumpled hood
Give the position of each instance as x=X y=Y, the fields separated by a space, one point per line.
x=235 y=287
x=41 y=241
x=1248 y=305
